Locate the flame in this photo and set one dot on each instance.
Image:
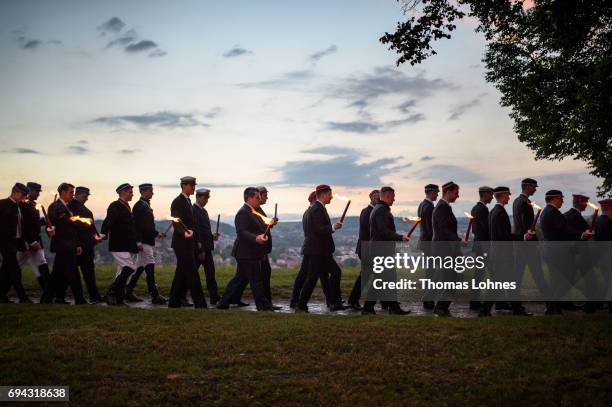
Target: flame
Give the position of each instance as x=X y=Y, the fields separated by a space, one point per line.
x=88 y=221
x=592 y=205
x=535 y=205
x=469 y=215
x=173 y=219
x=266 y=220
x=342 y=198
x=38 y=207
x=411 y=218
x=25 y=200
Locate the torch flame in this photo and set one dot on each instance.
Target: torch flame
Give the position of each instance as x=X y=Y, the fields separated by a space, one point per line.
x=411 y=218
x=266 y=220
x=173 y=219
x=80 y=219
x=342 y=198
x=535 y=205
x=469 y=215
x=592 y=205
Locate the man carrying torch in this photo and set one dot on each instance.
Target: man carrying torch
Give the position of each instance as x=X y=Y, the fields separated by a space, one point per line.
x=205 y=242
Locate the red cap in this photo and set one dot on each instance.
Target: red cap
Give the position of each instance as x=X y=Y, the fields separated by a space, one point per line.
x=606 y=202
x=312 y=196
x=322 y=187
x=374 y=191
x=580 y=196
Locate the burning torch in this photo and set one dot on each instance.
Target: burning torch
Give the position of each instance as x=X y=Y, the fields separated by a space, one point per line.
x=466 y=238
x=595 y=213
x=415 y=219
x=535 y=220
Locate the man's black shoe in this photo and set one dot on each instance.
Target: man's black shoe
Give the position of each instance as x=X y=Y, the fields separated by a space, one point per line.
x=159 y=300
x=442 y=312
x=241 y=304
x=220 y=305
x=398 y=311
x=484 y=313
x=475 y=305
x=300 y=310
x=368 y=312
x=186 y=303
x=502 y=306
x=130 y=297
x=355 y=306
x=337 y=307
x=429 y=304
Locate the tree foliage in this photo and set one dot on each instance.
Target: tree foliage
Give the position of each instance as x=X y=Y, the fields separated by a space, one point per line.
x=551 y=61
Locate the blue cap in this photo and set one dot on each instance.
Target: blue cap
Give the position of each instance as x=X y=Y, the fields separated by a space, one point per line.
x=80 y=190
x=34 y=186
x=146 y=185
x=22 y=188
x=123 y=187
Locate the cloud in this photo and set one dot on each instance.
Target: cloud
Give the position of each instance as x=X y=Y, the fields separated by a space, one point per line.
x=33 y=44
x=405 y=107
x=236 y=52
x=331 y=150
x=164 y=119
x=354 y=127
x=22 y=150
x=288 y=79
x=130 y=41
x=413 y=118
x=114 y=24
x=447 y=172
x=128 y=151
x=82 y=142
x=77 y=149
x=459 y=110
x=427 y=158
x=323 y=53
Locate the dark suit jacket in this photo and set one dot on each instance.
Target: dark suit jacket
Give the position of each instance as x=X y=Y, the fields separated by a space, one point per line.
x=480 y=225
x=382 y=224
x=318 y=240
x=144 y=221
x=202 y=229
x=364 y=227
x=268 y=244
x=66 y=238
x=500 y=229
x=603 y=228
x=444 y=223
x=8 y=222
x=119 y=226
x=425 y=212
x=575 y=220
x=86 y=232
x=181 y=208
x=522 y=214
x=248 y=226
x=304 y=220
x=555 y=226
x=31 y=222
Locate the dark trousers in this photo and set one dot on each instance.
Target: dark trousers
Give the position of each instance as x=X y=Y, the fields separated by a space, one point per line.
x=85 y=263
x=209 y=272
x=10 y=272
x=186 y=277
x=149 y=271
x=266 y=275
x=326 y=269
x=356 y=291
x=247 y=272
x=300 y=278
x=65 y=273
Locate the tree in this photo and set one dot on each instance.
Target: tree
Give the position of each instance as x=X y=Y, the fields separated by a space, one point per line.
x=550 y=59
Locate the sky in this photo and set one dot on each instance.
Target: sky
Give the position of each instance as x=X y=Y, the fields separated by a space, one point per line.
x=284 y=94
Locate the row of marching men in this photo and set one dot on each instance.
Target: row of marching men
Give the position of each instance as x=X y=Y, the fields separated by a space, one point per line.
x=132 y=234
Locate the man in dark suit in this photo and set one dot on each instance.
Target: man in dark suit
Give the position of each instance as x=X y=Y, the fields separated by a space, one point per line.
x=300 y=278
x=529 y=254
x=445 y=241
x=266 y=268
x=249 y=250
x=205 y=243
x=66 y=245
x=574 y=215
x=555 y=229
x=186 y=276
x=121 y=231
x=603 y=233
x=33 y=252
x=88 y=238
x=425 y=212
x=11 y=239
x=480 y=229
x=319 y=247
x=364 y=236
x=502 y=254
x=146 y=234
x=382 y=229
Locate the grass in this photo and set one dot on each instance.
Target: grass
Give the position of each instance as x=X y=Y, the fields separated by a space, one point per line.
x=120 y=356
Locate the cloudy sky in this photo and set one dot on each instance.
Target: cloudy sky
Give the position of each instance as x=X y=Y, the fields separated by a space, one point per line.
x=286 y=94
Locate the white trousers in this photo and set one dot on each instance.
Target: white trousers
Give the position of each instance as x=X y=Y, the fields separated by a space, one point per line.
x=33 y=258
x=124 y=259
x=146 y=256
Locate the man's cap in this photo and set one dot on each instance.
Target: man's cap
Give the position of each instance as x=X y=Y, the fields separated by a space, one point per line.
x=322 y=187
x=262 y=189
x=35 y=186
x=146 y=185
x=529 y=181
x=431 y=187
x=580 y=196
x=22 y=188
x=312 y=196
x=606 y=202
x=202 y=191
x=499 y=190
x=80 y=190
x=485 y=189
x=374 y=191
x=449 y=185
x=123 y=187
x=553 y=193
x=188 y=180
